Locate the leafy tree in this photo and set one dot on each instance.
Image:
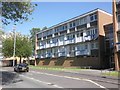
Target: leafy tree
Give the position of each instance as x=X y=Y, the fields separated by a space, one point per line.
x=44 y=28
x=1 y=32
x=16 y=11
x=33 y=32
x=23 y=47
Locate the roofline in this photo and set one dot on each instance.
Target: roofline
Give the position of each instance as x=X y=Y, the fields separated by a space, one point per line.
x=77 y=17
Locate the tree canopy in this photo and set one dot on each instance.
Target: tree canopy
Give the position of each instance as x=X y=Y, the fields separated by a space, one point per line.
x=23 y=46
x=16 y=11
x=33 y=32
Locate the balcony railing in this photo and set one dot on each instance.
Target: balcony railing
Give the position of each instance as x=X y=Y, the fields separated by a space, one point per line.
x=81 y=52
x=70 y=41
x=60 y=54
x=48 y=55
x=61 y=43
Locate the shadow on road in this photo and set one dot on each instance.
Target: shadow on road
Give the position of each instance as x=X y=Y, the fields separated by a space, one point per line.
x=9 y=77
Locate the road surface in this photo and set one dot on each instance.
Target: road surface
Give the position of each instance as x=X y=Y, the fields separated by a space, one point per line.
x=50 y=79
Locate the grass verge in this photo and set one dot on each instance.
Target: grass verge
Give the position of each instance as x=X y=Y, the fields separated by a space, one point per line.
x=55 y=68
x=111 y=73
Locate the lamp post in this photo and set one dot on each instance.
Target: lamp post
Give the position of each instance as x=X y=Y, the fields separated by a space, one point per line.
x=14 y=30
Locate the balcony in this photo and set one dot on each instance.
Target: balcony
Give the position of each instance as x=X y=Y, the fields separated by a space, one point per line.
x=87 y=38
x=54 y=44
x=48 y=45
x=61 y=43
x=48 y=55
x=42 y=46
x=61 y=54
x=69 y=41
x=79 y=39
x=81 y=52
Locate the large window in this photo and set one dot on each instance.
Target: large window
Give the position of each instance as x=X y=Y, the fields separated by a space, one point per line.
x=93 y=17
x=119 y=18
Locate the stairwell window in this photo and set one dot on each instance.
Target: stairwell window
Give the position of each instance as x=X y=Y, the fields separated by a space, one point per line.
x=118 y=18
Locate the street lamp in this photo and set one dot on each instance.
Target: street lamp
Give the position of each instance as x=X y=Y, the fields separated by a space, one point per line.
x=14 y=31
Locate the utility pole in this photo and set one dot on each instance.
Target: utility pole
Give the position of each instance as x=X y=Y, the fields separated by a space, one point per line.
x=14 y=31
x=115 y=29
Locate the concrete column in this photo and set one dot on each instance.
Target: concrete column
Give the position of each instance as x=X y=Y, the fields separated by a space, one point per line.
x=115 y=29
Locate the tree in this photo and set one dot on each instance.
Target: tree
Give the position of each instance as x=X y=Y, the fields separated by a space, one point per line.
x=16 y=11
x=23 y=47
x=44 y=28
x=33 y=32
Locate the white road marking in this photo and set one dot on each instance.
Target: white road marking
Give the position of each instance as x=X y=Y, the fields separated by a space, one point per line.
x=88 y=80
x=56 y=86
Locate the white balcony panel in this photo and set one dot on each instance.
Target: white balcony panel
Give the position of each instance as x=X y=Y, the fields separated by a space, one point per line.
x=87 y=38
x=69 y=41
x=80 y=39
x=82 y=52
x=47 y=45
x=61 y=43
x=61 y=54
x=53 y=44
x=41 y=47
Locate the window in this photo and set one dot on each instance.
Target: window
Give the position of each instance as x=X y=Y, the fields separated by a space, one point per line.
x=65 y=26
x=118 y=18
x=81 y=34
x=92 y=45
x=88 y=33
x=95 y=17
x=91 y=18
x=86 y=46
x=95 y=31
x=70 y=24
x=78 y=35
x=73 y=23
x=73 y=36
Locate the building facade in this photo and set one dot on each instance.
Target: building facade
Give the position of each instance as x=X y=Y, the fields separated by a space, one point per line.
x=116 y=25
x=79 y=41
x=109 y=45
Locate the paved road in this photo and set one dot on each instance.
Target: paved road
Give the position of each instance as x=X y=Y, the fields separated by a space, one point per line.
x=50 y=79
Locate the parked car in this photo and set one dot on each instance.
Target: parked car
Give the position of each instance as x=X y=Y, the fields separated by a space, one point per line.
x=21 y=67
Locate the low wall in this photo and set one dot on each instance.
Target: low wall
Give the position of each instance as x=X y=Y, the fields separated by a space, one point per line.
x=69 y=62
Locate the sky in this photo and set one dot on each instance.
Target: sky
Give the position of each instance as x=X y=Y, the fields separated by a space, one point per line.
x=52 y=13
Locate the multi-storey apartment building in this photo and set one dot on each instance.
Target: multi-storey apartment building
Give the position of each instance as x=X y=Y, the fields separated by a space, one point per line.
x=76 y=42
x=116 y=25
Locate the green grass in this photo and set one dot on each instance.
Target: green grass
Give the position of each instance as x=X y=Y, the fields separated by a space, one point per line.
x=56 y=68
x=111 y=73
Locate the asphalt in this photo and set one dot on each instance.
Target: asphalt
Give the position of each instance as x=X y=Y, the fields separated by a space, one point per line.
x=56 y=79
